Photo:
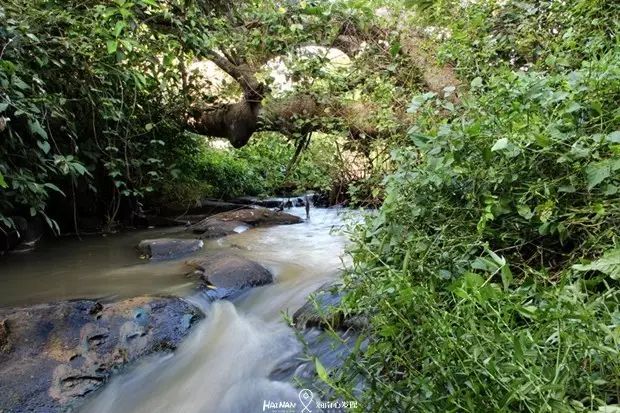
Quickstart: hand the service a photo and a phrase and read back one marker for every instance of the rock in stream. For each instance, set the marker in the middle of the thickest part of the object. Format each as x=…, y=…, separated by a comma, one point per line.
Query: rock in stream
x=312, y=321
x=227, y=223
x=53, y=355
x=227, y=275
x=168, y=248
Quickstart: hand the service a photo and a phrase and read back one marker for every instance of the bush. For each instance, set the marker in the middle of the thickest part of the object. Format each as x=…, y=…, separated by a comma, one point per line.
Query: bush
x=84, y=96
x=260, y=168
x=271, y=155
x=491, y=274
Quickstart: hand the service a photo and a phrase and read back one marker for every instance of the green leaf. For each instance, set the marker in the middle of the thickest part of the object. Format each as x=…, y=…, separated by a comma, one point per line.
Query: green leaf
x=3, y=106
x=127, y=45
x=112, y=45
x=500, y=144
x=569, y=189
x=572, y=107
x=395, y=48
x=53, y=187
x=597, y=172
x=476, y=83
x=613, y=137
x=79, y=169
x=35, y=128
x=608, y=264
x=45, y=146
x=3, y=183
x=506, y=276
x=120, y=25
x=518, y=346
x=148, y=127
x=320, y=370
x=525, y=211
x=18, y=83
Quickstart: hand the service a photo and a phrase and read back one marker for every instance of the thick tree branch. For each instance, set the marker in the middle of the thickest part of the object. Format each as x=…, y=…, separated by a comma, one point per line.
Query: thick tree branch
x=295, y=116
x=301, y=114
x=253, y=90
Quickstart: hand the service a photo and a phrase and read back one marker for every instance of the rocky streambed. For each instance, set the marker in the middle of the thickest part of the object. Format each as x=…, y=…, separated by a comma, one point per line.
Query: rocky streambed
x=56, y=356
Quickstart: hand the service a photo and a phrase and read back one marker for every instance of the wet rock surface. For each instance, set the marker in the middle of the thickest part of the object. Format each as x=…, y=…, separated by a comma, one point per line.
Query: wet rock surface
x=227, y=274
x=53, y=355
x=216, y=228
x=313, y=320
x=168, y=248
x=228, y=223
x=4, y=336
x=321, y=311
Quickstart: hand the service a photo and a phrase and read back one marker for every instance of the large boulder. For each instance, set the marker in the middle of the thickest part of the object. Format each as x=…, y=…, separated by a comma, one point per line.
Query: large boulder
x=56, y=354
x=228, y=274
x=204, y=207
x=227, y=223
x=168, y=248
x=321, y=310
x=326, y=334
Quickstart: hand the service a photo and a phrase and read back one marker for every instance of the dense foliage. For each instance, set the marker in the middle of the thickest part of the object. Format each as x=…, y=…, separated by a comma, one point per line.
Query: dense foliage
x=263, y=168
x=491, y=275
x=94, y=99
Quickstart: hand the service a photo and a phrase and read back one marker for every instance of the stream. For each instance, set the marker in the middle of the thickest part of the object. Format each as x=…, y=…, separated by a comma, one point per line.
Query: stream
x=224, y=364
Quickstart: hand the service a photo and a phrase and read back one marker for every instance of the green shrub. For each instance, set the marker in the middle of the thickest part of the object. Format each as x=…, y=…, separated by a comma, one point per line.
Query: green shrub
x=491, y=274
x=270, y=155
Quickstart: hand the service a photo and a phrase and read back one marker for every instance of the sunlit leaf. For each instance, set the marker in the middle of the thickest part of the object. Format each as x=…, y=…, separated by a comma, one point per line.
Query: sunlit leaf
x=112, y=45
x=608, y=264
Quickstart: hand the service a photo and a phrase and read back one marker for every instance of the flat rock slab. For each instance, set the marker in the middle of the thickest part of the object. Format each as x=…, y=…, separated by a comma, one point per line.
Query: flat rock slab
x=228, y=223
x=227, y=274
x=321, y=311
x=216, y=228
x=168, y=248
x=56, y=354
x=205, y=206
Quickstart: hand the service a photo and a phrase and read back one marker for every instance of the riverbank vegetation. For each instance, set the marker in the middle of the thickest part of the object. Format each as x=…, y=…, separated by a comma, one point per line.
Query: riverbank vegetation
x=100, y=103
x=490, y=275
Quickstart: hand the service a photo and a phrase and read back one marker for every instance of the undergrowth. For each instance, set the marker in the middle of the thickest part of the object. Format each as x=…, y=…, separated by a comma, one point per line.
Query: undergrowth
x=490, y=277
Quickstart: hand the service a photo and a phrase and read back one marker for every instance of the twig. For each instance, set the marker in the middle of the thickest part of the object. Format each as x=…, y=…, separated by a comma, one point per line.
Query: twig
x=5, y=46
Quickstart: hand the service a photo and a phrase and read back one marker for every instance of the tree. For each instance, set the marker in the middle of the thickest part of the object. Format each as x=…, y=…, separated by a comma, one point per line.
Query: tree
x=248, y=38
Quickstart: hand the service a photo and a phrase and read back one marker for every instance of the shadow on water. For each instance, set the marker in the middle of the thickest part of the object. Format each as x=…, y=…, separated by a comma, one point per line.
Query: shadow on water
x=94, y=267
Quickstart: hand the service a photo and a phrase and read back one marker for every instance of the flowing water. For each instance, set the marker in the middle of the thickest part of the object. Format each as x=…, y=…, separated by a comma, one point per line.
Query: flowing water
x=224, y=364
